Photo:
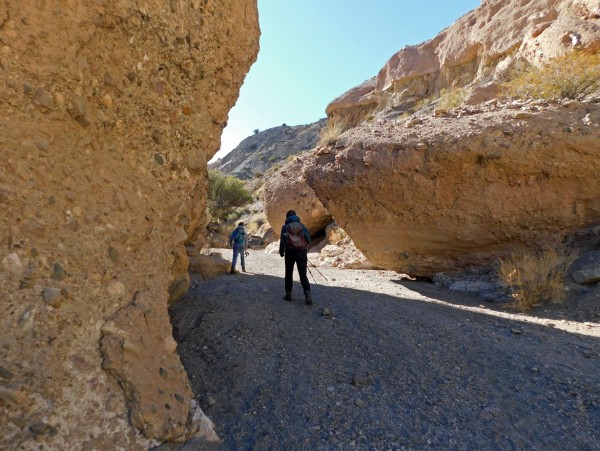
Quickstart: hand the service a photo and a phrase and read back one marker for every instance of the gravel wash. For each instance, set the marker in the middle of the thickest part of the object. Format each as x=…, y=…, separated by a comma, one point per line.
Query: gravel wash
x=375, y=364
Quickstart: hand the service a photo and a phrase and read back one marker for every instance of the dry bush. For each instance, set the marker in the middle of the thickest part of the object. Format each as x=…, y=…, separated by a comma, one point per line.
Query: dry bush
x=575, y=75
x=536, y=278
x=452, y=98
x=332, y=131
x=424, y=102
x=255, y=223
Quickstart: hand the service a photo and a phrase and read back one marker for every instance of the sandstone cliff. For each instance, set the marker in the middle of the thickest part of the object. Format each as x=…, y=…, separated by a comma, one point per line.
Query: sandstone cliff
x=482, y=47
x=110, y=110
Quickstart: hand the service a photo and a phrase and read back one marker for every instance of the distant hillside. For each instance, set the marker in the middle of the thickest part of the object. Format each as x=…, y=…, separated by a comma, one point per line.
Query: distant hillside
x=257, y=153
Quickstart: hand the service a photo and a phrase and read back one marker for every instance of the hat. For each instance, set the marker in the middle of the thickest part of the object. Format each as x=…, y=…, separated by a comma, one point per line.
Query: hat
x=240, y=223
x=290, y=213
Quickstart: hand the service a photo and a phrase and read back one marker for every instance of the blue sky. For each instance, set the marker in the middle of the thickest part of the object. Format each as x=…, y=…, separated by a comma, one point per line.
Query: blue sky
x=312, y=51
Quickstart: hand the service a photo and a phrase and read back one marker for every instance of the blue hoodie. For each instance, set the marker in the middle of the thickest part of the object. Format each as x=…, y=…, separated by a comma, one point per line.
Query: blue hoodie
x=282, y=239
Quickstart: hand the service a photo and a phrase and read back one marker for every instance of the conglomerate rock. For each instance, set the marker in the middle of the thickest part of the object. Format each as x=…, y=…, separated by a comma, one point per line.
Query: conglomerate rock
x=440, y=193
x=110, y=110
x=288, y=190
x=484, y=45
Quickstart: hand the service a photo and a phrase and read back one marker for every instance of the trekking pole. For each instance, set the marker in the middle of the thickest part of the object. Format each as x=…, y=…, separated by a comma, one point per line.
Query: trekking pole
x=311, y=274
x=313, y=265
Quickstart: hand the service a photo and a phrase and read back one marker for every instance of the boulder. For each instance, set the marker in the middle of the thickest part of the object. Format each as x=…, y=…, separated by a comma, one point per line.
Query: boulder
x=110, y=110
x=459, y=191
x=287, y=190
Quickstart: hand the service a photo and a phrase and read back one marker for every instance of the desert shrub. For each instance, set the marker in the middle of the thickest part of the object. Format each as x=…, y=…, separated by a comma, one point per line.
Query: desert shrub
x=575, y=75
x=452, y=98
x=536, y=278
x=424, y=102
x=256, y=222
x=225, y=193
x=332, y=131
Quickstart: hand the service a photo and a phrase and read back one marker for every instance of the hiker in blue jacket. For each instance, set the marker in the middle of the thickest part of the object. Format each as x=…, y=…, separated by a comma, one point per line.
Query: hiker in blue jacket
x=239, y=241
x=294, y=244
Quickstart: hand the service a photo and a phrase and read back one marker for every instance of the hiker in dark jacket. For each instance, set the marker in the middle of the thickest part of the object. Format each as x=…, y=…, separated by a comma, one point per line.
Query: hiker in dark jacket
x=239, y=242
x=293, y=244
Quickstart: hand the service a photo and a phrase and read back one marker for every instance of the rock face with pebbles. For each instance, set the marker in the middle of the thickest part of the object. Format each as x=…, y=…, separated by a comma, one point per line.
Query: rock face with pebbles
x=440, y=193
x=110, y=111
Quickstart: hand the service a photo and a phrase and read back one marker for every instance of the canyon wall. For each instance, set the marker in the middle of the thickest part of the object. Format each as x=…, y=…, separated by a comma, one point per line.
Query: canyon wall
x=109, y=111
x=485, y=46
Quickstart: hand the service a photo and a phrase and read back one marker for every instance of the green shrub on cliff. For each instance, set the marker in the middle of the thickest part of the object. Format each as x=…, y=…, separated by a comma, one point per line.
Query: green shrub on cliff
x=225, y=193
x=575, y=75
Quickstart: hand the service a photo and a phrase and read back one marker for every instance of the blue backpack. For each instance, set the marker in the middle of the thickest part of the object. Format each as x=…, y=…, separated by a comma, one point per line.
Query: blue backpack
x=239, y=236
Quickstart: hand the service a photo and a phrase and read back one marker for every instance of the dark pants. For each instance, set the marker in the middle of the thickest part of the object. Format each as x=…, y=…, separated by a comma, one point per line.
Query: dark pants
x=300, y=258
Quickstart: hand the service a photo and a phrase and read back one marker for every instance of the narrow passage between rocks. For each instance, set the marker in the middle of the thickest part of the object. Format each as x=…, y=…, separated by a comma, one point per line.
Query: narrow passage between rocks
x=373, y=364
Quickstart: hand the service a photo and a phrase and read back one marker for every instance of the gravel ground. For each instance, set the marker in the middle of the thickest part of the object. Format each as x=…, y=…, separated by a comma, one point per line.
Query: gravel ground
x=394, y=365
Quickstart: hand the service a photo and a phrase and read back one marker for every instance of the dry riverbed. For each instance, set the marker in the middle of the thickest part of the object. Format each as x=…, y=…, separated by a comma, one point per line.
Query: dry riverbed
x=382, y=363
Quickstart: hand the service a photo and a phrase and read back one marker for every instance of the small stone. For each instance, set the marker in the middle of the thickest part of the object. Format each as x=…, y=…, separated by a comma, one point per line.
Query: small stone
x=163, y=373
x=43, y=98
x=13, y=396
x=210, y=401
x=114, y=255
x=516, y=332
x=52, y=296
x=107, y=101
x=360, y=380
x=131, y=76
x=522, y=115
x=43, y=145
x=179, y=397
x=326, y=312
x=58, y=272
x=359, y=403
x=12, y=264
x=5, y=374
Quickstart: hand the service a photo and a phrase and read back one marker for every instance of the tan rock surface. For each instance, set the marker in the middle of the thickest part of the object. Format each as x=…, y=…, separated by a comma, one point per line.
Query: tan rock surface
x=464, y=189
x=287, y=190
x=109, y=112
x=477, y=47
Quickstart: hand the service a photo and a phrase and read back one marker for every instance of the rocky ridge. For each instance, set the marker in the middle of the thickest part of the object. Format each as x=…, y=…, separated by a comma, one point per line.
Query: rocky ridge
x=110, y=111
x=268, y=148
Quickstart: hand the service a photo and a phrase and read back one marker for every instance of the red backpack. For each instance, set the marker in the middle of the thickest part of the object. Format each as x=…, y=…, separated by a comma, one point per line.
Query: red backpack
x=296, y=241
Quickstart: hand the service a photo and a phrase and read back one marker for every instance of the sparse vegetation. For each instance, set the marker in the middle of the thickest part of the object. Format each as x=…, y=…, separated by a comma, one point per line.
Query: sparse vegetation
x=225, y=193
x=575, y=75
x=330, y=133
x=425, y=102
x=536, y=278
x=452, y=98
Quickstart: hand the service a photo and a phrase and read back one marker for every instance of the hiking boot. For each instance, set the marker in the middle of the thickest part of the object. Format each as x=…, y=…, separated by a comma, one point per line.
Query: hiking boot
x=243, y=269
x=308, y=297
x=288, y=296
x=232, y=271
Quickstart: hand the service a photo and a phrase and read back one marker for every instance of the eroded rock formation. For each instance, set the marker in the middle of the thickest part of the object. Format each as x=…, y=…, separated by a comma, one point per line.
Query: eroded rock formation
x=288, y=190
x=460, y=190
x=110, y=110
x=483, y=46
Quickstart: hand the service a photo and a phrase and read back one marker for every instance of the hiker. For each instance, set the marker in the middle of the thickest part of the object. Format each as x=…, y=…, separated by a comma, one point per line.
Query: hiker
x=293, y=244
x=239, y=241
